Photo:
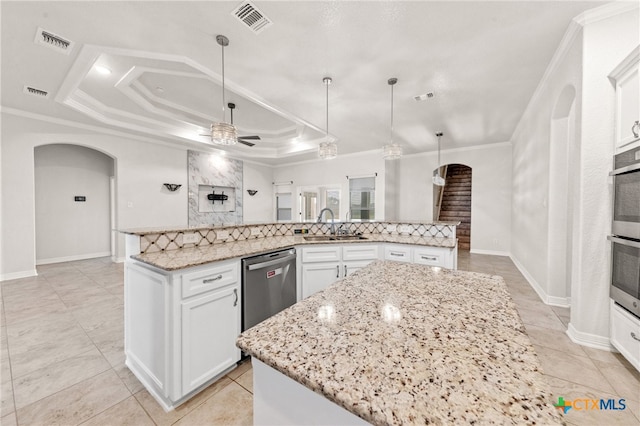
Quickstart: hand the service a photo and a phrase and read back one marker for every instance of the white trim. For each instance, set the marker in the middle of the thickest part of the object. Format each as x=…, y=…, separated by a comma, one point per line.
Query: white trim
x=589, y=340
x=72, y=258
x=563, y=302
x=490, y=252
x=121, y=259
x=18, y=275
x=606, y=11
x=532, y=282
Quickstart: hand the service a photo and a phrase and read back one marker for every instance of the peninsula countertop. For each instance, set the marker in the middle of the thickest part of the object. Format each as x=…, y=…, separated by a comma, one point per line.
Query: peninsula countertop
x=172, y=260
x=402, y=343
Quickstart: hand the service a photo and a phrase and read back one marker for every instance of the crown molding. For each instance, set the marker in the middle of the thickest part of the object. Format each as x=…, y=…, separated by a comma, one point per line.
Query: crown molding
x=575, y=27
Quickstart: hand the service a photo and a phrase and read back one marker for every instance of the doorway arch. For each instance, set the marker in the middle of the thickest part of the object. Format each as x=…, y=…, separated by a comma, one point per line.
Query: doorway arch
x=74, y=203
x=452, y=202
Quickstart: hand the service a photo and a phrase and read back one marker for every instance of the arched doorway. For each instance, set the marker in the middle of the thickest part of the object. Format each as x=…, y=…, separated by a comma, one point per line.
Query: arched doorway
x=452, y=201
x=73, y=203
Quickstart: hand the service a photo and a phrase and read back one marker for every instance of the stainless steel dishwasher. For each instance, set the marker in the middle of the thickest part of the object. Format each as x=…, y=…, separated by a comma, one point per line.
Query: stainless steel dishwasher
x=268, y=285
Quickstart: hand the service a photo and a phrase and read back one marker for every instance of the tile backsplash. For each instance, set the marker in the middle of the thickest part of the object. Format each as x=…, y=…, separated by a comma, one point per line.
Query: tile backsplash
x=199, y=237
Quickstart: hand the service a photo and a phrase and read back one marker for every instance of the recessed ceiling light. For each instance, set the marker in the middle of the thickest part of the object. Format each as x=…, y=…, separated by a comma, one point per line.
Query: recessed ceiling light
x=102, y=70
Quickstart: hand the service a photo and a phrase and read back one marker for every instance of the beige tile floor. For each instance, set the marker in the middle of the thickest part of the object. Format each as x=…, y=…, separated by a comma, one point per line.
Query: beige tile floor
x=62, y=356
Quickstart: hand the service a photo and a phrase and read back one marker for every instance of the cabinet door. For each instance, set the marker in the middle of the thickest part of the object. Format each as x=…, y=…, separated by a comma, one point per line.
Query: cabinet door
x=349, y=268
x=210, y=326
x=317, y=276
x=628, y=107
x=359, y=251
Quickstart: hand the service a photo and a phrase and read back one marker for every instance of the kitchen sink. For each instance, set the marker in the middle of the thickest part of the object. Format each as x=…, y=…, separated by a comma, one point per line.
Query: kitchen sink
x=320, y=238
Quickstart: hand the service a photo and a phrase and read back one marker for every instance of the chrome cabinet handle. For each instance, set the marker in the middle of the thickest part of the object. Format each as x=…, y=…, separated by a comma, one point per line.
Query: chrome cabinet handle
x=210, y=280
x=396, y=254
x=337, y=271
x=634, y=336
x=345, y=270
x=235, y=292
x=429, y=258
x=635, y=129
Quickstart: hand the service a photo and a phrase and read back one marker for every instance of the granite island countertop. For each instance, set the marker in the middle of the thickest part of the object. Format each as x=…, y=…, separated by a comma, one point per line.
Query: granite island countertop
x=173, y=260
x=402, y=343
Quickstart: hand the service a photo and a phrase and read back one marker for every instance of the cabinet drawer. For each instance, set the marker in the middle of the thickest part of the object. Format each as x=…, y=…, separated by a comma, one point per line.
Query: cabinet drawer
x=625, y=334
x=360, y=252
x=321, y=254
x=429, y=256
x=398, y=253
x=210, y=278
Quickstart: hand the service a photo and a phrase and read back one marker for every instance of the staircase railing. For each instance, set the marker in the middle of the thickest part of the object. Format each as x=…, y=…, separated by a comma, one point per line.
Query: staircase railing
x=438, y=206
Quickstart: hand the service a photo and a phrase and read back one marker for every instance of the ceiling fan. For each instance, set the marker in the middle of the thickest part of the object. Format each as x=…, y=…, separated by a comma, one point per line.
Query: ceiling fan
x=243, y=139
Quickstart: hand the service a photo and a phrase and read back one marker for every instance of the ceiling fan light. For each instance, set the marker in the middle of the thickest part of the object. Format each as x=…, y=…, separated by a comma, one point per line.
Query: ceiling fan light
x=393, y=151
x=328, y=150
x=224, y=134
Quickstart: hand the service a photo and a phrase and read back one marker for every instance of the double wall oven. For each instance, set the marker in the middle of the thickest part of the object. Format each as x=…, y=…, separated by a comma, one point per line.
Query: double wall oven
x=625, y=266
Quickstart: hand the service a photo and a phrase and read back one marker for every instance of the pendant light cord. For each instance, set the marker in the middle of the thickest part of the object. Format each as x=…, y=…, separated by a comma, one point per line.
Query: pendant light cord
x=224, y=116
x=391, y=137
x=327, y=84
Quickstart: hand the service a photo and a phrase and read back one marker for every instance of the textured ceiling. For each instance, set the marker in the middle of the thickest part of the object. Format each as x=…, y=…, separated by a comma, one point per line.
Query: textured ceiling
x=482, y=60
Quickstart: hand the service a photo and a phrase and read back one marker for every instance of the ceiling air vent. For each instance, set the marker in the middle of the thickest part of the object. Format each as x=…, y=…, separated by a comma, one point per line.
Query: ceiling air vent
x=249, y=15
x=54, y=41
x=35, y=92
x=424, y=97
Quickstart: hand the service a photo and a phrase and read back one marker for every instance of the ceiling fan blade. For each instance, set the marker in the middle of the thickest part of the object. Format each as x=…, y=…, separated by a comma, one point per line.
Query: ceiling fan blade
x=252, y=138
x=245, y=142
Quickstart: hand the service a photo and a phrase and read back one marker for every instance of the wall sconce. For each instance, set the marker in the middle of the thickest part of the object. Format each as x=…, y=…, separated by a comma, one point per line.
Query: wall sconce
x=172, y=186
x=252, y=192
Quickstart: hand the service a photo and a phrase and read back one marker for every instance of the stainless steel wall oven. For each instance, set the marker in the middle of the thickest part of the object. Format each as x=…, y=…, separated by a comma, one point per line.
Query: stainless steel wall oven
x=625, y=264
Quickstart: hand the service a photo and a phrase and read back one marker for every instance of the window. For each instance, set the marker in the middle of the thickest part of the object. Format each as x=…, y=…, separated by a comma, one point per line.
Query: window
x=333, y=201
x=362, y=192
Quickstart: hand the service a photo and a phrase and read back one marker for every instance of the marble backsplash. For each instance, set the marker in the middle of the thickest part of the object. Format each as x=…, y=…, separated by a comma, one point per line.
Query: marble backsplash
x=209, y=173
x=174, y=239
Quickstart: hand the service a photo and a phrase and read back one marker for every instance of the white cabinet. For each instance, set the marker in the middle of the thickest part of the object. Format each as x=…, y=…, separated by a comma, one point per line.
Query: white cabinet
x=627, y=84
x=323, y=265
x=397, y=252
x=443, y=257
x=181, y=327
x=625, y=334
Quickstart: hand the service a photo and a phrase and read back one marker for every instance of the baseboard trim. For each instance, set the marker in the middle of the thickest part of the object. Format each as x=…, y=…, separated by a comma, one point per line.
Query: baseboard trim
x=589, y=340
x=490, y=252
x=72, y=258
x=563, y=302
x=18, y=275
x=532, y=282
x=115, y=259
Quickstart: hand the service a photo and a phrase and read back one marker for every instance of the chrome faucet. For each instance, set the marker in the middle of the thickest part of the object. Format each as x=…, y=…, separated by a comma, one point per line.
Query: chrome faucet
x=333, y=218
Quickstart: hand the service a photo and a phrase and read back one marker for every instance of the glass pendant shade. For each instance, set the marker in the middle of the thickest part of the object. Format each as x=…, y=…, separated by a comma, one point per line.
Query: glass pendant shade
x=393, y=151
x=224, y=134
x=328, y=150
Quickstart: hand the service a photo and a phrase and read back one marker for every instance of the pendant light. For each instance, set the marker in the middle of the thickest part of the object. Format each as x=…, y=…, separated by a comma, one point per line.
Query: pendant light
x=392, y=151
x=223, y=133
x=327, y=149
x=437, y=179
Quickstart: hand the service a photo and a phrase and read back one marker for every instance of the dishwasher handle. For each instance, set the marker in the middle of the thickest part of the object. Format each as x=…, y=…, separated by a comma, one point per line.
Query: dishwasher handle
x=270, y=262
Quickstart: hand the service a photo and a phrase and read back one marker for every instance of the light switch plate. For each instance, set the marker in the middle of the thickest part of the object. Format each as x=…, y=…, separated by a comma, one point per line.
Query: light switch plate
x=405, y=229
x=222, y=235
x=391, y=228
x=255, y=231
x=190, y=238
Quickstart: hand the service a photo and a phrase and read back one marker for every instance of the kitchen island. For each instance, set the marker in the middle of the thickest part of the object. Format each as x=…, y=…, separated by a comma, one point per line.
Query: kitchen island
x=399, y=343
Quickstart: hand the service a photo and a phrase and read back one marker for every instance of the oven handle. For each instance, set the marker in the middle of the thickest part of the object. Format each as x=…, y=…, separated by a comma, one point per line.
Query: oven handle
x=624, y=241
x=632, y=168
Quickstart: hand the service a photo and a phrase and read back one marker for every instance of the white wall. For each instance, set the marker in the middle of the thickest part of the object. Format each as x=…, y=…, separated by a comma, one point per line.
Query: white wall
x=141, y=170
x=490, y=192
x=591, y=56
x=66, y=229
x=335, y=172
x=258, y=208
